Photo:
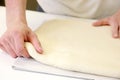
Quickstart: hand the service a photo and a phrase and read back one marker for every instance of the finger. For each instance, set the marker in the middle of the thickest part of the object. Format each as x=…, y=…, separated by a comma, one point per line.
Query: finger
x=24, y=53
x=115, y=29
x=12, y=45
x=20, y=46
x=2, y=48
x=1, y=45
x=101, y=22
x=4, y=45
x=35, y=41
x=9, y=50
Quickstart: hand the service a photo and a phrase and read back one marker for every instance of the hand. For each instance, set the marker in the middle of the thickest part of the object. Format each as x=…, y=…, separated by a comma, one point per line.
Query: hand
x=13, y=40
x=113, y=21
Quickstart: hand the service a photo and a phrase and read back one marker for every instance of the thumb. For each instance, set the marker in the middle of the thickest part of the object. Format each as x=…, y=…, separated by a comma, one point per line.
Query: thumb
x=101, y=22
x=34, y=40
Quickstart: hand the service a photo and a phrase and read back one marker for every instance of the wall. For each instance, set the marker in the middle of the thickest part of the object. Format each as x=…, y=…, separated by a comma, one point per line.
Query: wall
x=31, y=4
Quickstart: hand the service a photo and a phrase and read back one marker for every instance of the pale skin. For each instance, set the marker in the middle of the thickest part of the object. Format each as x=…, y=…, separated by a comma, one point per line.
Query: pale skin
x=18, y=32
x=113, y=21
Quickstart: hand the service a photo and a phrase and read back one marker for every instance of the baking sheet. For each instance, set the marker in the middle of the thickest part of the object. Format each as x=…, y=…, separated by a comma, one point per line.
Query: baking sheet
x=30, y=65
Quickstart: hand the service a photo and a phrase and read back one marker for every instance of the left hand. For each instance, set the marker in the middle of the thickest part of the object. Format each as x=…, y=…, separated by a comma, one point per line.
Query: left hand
x=113, y=21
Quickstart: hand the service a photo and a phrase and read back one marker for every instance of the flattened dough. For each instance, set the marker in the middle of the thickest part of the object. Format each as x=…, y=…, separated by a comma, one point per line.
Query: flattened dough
x=78, y=46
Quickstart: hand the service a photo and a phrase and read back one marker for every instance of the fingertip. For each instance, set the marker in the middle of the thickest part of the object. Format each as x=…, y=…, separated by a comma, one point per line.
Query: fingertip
x=26, y=56
x=14, y=56
x=25, y=53
x=115, y=35
x=40, y=50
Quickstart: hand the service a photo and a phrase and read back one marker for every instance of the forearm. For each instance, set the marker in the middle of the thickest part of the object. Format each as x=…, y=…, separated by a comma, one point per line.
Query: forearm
x=15, y=11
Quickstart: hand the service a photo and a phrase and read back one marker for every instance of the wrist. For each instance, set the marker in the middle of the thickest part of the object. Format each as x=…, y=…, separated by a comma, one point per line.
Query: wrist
x=15, y=21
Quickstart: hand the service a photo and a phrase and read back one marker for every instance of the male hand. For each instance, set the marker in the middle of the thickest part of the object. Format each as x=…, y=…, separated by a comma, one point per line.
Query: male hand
x=113, y=21
x=12, y=41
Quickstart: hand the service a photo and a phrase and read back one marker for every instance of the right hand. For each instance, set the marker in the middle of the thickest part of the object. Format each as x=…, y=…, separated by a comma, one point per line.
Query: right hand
x=12, y=41
x=113, y=21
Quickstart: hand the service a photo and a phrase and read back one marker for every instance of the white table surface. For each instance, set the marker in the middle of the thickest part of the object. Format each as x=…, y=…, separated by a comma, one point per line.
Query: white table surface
x=6, y=72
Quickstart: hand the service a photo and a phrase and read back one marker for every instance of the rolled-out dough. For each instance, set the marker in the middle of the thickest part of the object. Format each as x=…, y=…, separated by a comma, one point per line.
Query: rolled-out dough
x=78, y=46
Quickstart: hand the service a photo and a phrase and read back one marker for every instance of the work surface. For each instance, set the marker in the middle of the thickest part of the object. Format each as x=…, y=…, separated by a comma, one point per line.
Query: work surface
x=6, y=71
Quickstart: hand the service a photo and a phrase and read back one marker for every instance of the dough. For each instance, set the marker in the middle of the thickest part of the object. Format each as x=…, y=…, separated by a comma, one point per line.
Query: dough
x=78, y=46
